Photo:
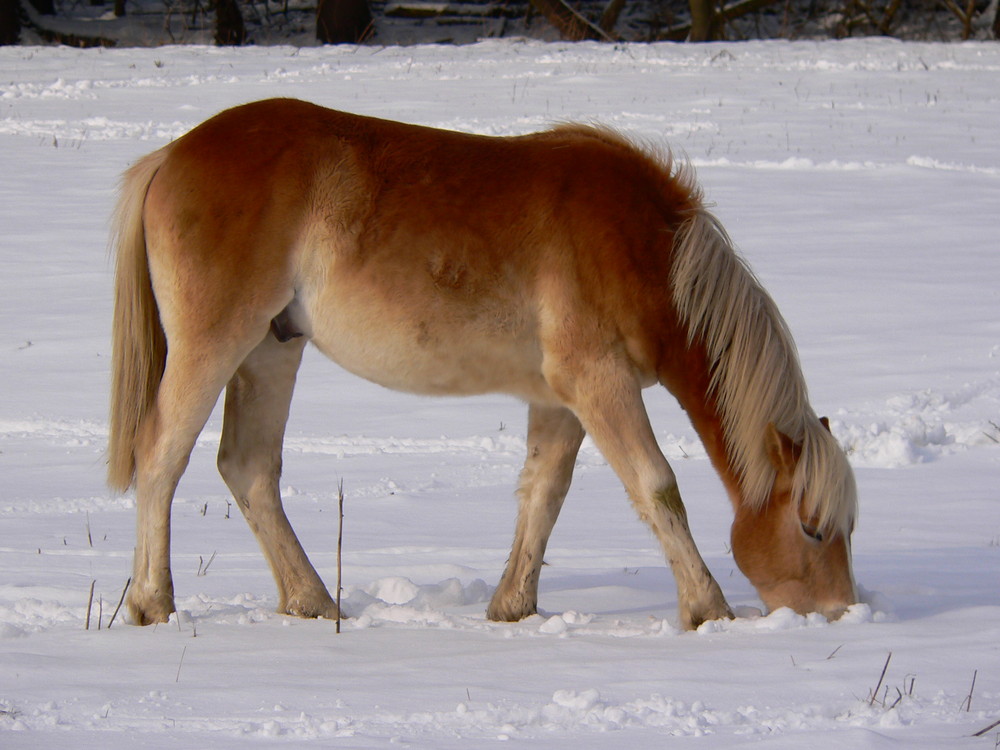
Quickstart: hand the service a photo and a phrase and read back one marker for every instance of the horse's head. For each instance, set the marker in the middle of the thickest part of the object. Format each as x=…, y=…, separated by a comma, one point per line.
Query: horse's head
x=795, y=550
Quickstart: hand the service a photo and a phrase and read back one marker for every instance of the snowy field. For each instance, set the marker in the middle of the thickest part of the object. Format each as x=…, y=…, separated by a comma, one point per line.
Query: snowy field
x=862, y=181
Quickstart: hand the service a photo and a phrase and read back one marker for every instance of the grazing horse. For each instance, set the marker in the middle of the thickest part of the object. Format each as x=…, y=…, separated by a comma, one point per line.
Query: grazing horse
x=569, y=268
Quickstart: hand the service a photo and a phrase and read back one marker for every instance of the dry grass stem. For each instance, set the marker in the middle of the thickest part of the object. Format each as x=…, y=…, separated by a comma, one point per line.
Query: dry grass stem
x=340, y=547
x=90, y=604
x=180, y=664
x=984, y=730
x=203, y=566
x=880, y=679
x=120, y=602
x=968, y=699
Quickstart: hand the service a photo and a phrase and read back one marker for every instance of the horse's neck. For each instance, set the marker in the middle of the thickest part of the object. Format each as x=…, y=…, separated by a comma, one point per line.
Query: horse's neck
x=688, y=379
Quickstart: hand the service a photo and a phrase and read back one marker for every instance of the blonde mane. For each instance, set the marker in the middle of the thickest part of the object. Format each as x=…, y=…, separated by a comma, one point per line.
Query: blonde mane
x=755, y=375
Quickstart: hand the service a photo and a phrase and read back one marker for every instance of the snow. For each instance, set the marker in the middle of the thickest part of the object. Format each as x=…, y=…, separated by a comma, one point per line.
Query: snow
x=862, y=181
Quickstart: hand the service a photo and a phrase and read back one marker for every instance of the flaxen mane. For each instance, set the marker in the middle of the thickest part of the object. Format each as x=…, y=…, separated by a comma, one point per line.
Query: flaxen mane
x=747, y=342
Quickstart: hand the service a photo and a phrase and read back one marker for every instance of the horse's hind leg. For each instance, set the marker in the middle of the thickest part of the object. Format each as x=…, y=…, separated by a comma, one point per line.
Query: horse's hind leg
x=554, y=437
x=607, y=398
x=257, y=402
x=184, y=400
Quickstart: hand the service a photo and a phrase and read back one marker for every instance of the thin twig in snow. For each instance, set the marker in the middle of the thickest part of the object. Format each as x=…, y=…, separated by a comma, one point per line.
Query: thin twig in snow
x=203, y=571
x=90, y=604
x=968, y=699
x=180, y=664
x=984, y=730
x=899, y=697
x=340, y=547
x=881, y=677
x=120, y=601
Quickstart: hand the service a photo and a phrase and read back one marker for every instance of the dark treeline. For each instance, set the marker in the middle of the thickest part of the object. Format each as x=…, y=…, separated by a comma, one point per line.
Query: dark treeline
x=235, y=22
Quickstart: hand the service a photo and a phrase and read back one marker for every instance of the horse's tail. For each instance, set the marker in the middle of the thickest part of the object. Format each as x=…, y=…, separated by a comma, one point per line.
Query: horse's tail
x=139, y=347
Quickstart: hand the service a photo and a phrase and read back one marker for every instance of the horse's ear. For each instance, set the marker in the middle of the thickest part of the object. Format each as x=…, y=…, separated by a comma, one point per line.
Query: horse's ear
x=826, y=423
x=781, y=450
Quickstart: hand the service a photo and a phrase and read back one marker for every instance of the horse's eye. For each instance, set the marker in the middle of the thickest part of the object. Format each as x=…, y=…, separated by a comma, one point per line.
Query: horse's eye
x=812, y=532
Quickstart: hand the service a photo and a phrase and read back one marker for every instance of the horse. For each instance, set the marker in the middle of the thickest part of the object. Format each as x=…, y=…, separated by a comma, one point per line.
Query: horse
x=571, y=268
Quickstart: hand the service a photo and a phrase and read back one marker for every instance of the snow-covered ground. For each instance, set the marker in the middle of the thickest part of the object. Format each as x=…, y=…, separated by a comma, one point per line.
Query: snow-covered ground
x=862, y=181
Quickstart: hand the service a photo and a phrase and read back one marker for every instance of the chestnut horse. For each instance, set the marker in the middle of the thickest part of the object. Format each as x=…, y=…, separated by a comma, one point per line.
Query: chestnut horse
x=569, y=268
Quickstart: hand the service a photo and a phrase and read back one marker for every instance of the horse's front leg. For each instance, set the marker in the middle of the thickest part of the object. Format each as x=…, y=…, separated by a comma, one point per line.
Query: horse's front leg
x=554, y=437
x=607, y=398
x=257, y=403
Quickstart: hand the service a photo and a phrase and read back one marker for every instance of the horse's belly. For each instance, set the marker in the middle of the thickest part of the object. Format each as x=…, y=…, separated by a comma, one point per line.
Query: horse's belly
x=431, y=356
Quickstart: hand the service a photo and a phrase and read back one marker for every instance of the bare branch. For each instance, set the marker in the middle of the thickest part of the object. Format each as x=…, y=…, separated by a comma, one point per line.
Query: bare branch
x=609, y=18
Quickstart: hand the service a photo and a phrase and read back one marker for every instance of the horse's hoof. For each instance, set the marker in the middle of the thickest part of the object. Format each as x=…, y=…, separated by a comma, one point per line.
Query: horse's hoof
x=510, y=611
x=150, y=610
x=312, y=608
x=694, y=619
